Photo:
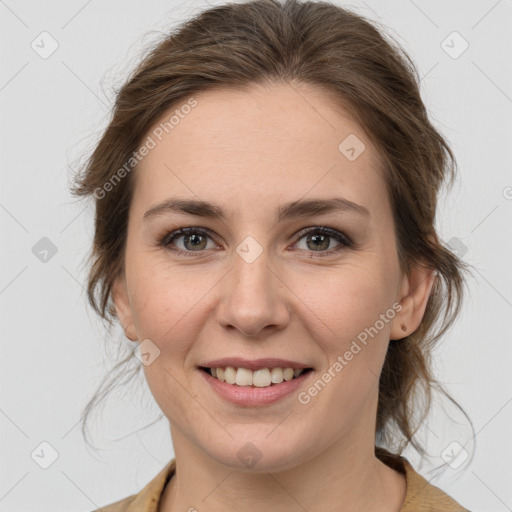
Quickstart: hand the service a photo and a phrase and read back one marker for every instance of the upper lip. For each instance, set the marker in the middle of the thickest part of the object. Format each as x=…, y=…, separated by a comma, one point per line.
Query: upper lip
x=253, y=364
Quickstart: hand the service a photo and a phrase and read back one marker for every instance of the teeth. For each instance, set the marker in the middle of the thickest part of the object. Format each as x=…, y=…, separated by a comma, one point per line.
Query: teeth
x=288, y=373
x=276, y=375
x=261, y=378
x=230, y=375
x=243, y=377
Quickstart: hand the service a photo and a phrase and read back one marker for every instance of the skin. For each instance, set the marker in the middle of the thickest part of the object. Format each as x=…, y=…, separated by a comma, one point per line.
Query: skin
x=250, y=151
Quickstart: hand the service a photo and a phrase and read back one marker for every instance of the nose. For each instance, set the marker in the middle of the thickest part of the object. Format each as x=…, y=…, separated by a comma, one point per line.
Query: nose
x=254, y=298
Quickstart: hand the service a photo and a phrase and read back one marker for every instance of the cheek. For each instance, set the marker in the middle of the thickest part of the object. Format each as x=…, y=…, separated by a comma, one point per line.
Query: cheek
x=355, y=308
x=352, y=299
x=163, y=295
x=355, y=338
x=167, y=307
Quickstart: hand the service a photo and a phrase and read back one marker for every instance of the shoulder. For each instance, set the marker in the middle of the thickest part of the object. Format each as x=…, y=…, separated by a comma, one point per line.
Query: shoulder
x=118, y=506
x=422, y=496
x=146, y=500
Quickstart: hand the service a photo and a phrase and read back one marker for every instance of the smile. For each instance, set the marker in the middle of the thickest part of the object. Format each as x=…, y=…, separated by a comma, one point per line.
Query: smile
x=261, y=378
x=257, y=387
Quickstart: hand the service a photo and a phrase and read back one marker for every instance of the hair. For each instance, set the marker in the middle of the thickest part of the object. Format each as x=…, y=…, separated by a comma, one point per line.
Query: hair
x=340, y=52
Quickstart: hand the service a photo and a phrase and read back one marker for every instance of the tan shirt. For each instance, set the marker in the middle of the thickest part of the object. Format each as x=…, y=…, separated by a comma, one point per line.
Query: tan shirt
x=420, y=496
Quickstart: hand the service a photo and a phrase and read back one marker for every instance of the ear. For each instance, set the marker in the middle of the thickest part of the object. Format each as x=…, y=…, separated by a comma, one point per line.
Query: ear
x=123, y=307
x=414, y=294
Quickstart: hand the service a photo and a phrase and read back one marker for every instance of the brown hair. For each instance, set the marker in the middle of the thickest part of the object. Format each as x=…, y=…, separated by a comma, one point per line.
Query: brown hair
x=338, y=51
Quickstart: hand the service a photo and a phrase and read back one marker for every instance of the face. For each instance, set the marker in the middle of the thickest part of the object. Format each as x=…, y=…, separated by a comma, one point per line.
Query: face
x=316, y=288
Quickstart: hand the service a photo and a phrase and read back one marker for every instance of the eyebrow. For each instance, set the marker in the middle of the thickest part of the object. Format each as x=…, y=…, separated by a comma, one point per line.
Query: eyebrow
x=287, y=211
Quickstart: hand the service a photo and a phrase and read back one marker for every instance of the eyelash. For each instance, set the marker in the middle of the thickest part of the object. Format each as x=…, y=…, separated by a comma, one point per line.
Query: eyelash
x=345, y=241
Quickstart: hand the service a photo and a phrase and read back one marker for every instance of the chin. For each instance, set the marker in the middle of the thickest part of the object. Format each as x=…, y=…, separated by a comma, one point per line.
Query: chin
x=259, y=453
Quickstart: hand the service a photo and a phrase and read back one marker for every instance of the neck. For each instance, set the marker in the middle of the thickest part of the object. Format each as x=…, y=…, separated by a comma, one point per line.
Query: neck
x=347, y=477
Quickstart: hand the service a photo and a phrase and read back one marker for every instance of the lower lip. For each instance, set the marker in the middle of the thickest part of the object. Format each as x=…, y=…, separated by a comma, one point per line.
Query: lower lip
x=253, y=396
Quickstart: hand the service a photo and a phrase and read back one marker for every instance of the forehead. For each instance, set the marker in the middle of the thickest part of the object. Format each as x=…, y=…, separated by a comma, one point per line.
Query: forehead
x=260, y=145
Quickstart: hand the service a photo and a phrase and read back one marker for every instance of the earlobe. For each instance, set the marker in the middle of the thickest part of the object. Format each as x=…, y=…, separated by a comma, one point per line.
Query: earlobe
x=415, y=291
x=123, y=307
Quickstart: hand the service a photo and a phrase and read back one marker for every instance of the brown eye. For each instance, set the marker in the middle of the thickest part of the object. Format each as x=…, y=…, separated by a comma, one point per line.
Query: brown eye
x=318, y=239
x=193, y=240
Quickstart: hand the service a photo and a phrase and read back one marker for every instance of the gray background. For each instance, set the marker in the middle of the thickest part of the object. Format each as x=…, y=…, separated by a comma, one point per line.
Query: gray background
x=53, y=110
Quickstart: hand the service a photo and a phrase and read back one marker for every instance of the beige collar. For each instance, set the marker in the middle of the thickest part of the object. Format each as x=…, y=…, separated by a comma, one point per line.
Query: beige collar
x=421, y=496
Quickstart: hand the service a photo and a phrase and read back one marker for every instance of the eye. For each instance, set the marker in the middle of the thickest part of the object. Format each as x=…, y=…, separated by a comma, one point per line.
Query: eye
x=194, y=240
x=319, y=238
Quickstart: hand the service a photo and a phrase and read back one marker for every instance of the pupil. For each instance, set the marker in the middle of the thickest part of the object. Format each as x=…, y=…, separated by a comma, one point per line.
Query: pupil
x=320, y=238
x=195, y=240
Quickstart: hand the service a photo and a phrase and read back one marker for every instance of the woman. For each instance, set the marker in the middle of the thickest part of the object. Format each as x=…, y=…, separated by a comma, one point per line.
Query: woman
x=265, y=202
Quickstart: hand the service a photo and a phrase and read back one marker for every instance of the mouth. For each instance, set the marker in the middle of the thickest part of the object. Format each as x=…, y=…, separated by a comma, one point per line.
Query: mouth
x=264, y=377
